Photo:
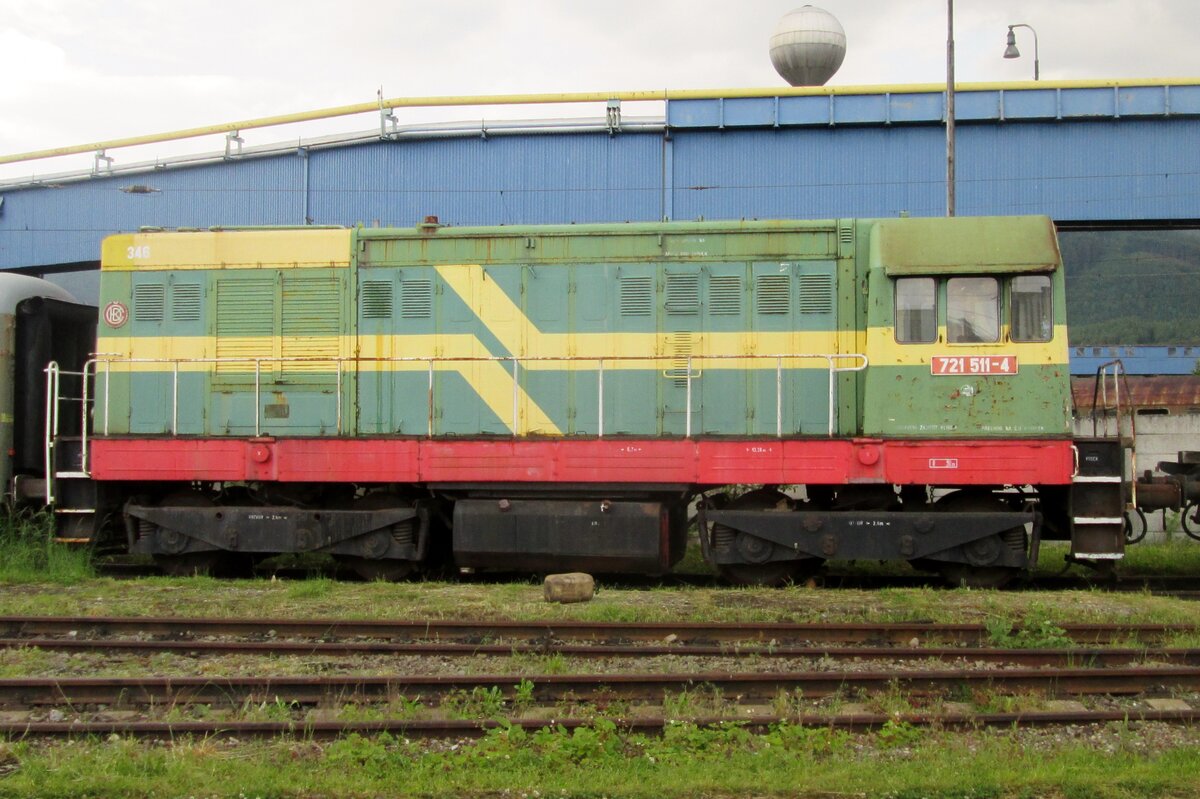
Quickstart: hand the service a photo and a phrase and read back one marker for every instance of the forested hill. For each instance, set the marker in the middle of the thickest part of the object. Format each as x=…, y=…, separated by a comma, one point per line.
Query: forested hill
x=1133, y=287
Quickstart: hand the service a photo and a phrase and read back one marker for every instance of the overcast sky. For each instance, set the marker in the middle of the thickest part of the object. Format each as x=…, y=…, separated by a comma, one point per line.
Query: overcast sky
x=79, y=71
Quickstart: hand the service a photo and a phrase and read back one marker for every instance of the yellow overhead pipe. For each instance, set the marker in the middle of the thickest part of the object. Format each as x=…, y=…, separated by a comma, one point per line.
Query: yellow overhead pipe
x=571, y=97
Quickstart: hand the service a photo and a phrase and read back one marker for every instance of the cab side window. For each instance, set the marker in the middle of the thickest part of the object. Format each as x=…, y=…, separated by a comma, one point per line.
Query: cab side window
x=916, y=310
x=972, y=310
x=1031, y=317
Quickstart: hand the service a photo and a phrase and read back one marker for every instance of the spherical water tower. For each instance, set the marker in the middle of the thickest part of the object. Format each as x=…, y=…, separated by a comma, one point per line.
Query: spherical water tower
x=808, y=46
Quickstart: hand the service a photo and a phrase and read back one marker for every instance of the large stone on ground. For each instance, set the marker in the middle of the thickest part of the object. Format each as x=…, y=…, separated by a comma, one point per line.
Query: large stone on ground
x=1168, y=704
x=565, y=588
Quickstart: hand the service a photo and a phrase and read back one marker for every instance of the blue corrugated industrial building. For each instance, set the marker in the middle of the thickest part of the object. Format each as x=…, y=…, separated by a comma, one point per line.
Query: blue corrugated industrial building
x=1137, y=360
x=1076, y=152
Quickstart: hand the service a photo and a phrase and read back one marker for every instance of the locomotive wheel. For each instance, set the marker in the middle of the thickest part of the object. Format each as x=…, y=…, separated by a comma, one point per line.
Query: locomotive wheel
x=386, y=569
x=1135, y=525
x=1190, y=519
x=977, y=573
x=762, y=571
x=188, y=564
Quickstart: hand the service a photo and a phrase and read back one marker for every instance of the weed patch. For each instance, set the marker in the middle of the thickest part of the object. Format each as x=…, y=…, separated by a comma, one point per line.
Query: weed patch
x=28, y=553
x=1036, y=631
x=478, y=703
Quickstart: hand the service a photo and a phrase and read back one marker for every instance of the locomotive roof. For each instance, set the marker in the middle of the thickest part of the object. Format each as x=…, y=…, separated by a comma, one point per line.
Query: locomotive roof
x=906, y=246
x=984, y=244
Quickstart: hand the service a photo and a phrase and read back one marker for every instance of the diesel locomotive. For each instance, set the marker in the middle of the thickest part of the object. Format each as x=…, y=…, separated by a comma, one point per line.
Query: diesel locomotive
x=575, y=396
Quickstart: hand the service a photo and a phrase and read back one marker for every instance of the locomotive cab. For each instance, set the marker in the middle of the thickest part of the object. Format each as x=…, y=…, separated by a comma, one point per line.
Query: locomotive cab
x=966, y=331
x=967, y=340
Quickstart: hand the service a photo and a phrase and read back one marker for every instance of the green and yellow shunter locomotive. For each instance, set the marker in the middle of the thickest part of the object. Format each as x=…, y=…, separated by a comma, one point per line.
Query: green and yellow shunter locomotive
x=566, y=397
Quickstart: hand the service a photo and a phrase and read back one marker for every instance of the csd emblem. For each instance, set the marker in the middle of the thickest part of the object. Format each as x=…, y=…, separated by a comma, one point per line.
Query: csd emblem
x=116, y=314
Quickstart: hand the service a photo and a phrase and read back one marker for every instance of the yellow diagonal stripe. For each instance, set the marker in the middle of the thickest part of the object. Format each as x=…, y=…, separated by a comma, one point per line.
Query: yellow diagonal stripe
x=504, y=320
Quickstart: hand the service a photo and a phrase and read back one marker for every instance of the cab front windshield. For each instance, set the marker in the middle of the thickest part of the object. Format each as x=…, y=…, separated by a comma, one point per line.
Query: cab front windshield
x=975, y=308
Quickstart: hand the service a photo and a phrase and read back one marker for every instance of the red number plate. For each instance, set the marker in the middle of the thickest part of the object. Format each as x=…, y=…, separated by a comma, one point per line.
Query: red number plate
x=973, y=365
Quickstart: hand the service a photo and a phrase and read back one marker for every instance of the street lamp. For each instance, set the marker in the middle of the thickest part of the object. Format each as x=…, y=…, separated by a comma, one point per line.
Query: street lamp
x=1012, y=52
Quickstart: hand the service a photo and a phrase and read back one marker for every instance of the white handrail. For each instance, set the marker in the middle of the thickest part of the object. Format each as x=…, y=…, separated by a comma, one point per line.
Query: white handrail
x=54, y=398
x=600, y=398
x=858, y=362
x=51, y=426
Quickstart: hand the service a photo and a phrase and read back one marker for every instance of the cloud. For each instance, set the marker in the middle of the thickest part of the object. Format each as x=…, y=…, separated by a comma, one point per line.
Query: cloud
x=30, y=64
x=86, y=70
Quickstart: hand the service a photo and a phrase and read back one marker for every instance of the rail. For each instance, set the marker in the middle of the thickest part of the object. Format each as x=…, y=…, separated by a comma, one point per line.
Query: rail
x=101, y=367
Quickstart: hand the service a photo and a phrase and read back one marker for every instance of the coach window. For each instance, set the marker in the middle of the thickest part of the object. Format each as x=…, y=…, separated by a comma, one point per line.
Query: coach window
x=972, y=310
x=1031, y=314
x=916, y=310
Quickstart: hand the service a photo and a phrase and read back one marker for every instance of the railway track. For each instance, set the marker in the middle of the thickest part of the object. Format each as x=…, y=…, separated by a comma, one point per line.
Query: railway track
x=944, y=661
x=554, y=689
x=1091, y=656
x=508, y=632
x=460, y=728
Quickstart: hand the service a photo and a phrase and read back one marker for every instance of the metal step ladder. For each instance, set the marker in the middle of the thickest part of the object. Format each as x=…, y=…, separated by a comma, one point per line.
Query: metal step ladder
x=1101, y=492
x=70, y=492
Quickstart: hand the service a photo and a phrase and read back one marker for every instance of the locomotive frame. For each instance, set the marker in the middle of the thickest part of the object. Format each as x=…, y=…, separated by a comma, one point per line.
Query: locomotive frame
x=556, y=397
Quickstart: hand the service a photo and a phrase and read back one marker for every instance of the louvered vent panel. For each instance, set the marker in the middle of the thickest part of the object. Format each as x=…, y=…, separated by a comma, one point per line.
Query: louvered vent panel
x=680, y=346
x=683, y=295
x=310, y=321
x=816, y=294
x=416, y=299
x=377, y=299
x=772, y=294
x=846, y=234
x=637, y=296
x=185, y=302
x=149, y=303
x=725, y=295
x=245, y=323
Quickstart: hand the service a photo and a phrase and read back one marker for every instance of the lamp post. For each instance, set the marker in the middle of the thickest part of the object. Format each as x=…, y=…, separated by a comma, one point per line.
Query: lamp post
x=950, y=108
x=1012, y=52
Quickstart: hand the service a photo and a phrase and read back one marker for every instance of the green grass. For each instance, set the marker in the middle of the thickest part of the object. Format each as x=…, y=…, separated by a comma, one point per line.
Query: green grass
x=56, y=580
x=261, y=598
x=1178, y=555
x=28, y=555
x=603, y=760
x=693, y=561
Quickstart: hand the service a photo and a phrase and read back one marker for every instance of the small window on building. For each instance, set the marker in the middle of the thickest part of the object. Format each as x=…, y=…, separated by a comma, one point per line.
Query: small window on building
x=1032, y=317
x=972, y=310
x=916, y=310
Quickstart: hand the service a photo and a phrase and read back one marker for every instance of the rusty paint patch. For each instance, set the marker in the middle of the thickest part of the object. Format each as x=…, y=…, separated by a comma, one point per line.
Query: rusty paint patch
x=1173, y=392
